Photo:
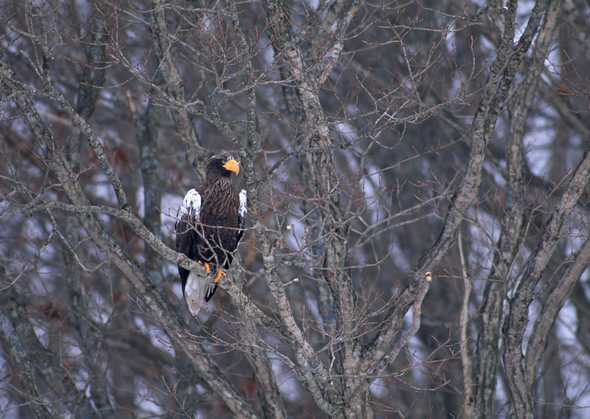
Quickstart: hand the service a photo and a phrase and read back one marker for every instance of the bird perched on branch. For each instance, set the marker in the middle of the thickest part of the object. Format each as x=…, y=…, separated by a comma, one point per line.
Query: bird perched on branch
x=209, y=228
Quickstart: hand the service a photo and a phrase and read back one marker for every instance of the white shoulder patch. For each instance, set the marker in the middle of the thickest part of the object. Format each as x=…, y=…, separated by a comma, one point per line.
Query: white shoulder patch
x=191, y=204
x=243, y=203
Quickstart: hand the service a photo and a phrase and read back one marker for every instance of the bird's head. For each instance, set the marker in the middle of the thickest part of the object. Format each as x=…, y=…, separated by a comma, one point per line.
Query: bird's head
x=222, y=165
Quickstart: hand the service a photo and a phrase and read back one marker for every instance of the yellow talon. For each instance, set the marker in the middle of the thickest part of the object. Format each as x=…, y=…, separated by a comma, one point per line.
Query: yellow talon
x=218, y=275
x=207, y=267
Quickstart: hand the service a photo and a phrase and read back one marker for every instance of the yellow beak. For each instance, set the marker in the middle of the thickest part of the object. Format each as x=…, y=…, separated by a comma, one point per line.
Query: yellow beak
x=233, y=166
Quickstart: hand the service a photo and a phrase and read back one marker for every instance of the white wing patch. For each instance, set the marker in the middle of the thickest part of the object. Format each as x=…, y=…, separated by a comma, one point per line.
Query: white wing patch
x=243, y=203
x=191, y=204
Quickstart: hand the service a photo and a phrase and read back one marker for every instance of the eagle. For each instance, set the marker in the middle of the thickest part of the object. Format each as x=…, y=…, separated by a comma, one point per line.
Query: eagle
x=209, y=228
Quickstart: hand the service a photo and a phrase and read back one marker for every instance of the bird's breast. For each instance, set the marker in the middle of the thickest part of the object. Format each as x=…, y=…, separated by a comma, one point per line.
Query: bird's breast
x=220, y=206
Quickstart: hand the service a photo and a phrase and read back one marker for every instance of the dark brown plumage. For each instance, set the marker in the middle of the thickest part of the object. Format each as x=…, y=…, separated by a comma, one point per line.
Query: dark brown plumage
x=211, y=222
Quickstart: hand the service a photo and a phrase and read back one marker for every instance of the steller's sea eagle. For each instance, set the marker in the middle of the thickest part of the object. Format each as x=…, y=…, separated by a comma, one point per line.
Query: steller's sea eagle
x=209, y=228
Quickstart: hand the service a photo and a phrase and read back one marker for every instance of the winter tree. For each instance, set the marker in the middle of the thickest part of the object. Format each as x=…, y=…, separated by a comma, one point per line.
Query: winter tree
x=418, y=232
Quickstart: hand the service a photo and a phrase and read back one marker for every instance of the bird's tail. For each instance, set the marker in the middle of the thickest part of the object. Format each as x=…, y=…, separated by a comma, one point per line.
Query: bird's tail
x=194, y=291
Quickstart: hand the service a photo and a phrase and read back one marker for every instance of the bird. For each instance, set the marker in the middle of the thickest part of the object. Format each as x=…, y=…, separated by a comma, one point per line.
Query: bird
x=210, y=225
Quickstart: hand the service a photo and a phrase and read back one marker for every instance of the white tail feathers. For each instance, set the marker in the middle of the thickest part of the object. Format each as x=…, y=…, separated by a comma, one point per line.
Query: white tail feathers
x=194, y=291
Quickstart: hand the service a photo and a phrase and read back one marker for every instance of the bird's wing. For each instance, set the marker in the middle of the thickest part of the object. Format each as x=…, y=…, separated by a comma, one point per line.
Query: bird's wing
x=242, y=212
x=194, y=283
x=187, y=239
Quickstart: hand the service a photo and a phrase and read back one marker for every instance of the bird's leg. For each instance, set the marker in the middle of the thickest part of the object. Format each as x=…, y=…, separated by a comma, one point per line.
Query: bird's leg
x=218, y=275
x=212, y=287
x=206, y=266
